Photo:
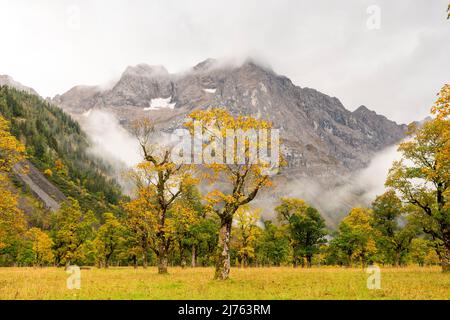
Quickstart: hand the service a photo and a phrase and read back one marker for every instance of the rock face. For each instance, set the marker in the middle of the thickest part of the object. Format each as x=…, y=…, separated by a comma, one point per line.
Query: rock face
x=6, y=80
x=325, y=144
x=322, y=137
x=39, y=185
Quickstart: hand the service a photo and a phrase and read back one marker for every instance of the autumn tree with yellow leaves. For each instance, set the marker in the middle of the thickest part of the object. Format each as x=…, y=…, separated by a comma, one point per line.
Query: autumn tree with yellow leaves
x=422, y=177
x=140, y=225
x=236, y=182
x=41, y=246
x=356, y=238
x=188, y=215
x=159, y=182
x=11, y=150
x=71, y=230
x=247, y=232
x=12, y=219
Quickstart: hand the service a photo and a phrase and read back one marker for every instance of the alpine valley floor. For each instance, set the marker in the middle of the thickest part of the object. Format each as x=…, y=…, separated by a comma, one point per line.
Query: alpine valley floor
x=245, y=283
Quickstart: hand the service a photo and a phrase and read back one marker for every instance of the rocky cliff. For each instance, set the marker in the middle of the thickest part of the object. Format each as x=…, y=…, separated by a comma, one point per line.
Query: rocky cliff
x=322, y=137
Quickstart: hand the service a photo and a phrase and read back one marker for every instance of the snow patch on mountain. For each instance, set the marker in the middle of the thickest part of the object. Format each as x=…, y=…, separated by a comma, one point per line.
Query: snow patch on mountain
x=160, y=103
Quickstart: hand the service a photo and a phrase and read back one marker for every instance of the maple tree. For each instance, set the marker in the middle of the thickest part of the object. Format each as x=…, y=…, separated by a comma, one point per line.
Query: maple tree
x=241, y=180
x=247, y=232
x=422, y=176
x=41, y=246
x=356, y=236
x=159, y=181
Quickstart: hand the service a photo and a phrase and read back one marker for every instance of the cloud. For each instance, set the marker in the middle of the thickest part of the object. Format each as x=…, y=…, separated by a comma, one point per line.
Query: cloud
x=335, y=199
x=111, y=143
x=326, y=45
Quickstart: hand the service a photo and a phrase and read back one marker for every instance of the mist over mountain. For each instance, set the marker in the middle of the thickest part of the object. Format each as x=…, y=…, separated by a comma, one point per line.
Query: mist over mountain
x=322, y=136
x=335, y=156
x=327, y=146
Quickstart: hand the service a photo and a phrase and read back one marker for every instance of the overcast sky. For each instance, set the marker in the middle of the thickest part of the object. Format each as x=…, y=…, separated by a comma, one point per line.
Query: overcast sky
x=395, y=70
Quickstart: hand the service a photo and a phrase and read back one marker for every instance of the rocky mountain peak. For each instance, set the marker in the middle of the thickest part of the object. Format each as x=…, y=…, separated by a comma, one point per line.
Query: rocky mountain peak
x=6, y=80
x=323, y=138
x=205, y=65
x=251, y=63
x=363, y=110
x=323, y=141
x=145, y=70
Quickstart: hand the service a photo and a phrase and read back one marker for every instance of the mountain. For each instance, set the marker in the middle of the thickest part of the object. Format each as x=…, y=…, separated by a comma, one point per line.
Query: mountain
x=6, y=80
x=322, y=137
x=326, y=145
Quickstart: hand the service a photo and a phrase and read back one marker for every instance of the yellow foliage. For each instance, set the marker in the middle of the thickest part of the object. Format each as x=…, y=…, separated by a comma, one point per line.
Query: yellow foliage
x=11, y=150
x=442, y=105
x=60, y=167
x=41, y=246
x=12, y=219
x=247, y=178
x=247, y=232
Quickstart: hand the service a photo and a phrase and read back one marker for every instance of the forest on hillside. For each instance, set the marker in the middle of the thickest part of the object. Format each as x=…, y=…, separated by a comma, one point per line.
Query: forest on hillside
x=56, y=144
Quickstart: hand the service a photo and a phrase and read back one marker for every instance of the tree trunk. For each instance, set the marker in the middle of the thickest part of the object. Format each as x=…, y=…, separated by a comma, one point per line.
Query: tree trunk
x=182, y=256
x=397, y=259
x=349, y=261
x=295, y=258
x=445, y=258
x=135, y=263
x=145, y=260
x=223, y=249
x=162, y=259
x=309, y=260
x=193, y=259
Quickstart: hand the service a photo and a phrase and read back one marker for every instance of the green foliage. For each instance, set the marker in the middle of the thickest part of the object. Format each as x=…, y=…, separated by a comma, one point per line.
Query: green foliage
x=306, y=228
x=71, y=229
x=52, y=136
x=37, y=248
x=204, y=240
x=108, y=239
x=395, y=229
x=273, y=245
x=422, y=176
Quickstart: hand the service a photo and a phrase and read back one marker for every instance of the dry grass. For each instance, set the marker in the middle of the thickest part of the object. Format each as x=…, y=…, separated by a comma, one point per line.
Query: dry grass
x=251, y=283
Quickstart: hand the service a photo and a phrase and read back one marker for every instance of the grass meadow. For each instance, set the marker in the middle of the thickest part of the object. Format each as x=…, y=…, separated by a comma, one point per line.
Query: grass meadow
x=245, y=283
